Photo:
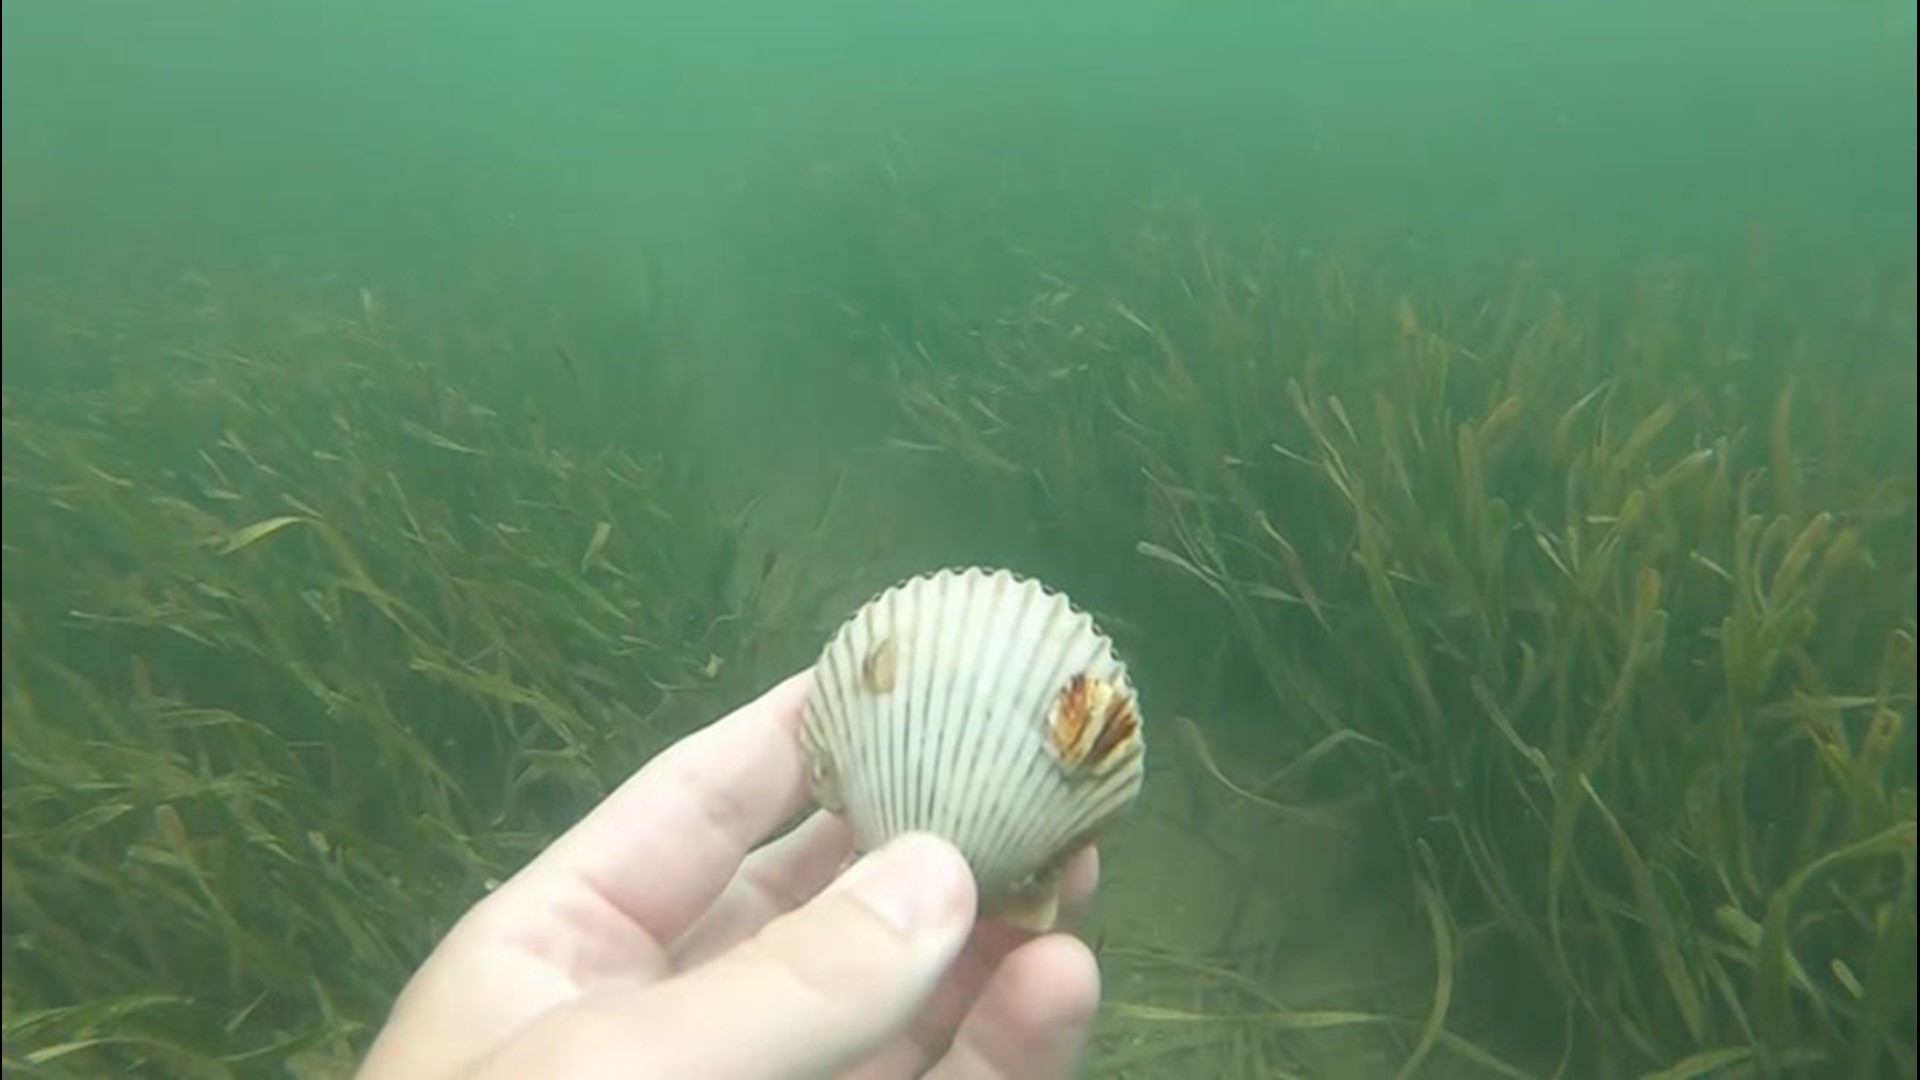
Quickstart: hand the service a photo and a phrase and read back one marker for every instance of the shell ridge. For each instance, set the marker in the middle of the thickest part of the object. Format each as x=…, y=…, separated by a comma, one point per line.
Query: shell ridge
x=982, y=652
x=945, y=708
x=1002, y=757
x=972, y=701
x=930, y=615
x=1042, y=833
x=821, y=730
x=978, y=652
x=856, y=787
x=1024, y=751
x=1105, y=800
x=861, y=712
x=1048, y=672
x=895, y=762
x=1046, y=831
x=865, y=719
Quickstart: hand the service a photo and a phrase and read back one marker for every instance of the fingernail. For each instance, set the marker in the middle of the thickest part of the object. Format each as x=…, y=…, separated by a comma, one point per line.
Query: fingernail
x=916, y=884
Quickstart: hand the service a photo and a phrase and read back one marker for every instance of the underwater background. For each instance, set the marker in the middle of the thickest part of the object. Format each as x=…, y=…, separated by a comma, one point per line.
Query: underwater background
x=1487, y=428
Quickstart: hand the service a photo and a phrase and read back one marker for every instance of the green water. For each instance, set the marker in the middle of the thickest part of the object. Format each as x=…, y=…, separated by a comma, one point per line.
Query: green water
x=1432, y=396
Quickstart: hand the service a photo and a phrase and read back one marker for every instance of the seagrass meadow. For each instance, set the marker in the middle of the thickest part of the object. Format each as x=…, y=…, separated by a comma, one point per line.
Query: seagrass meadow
x=1577, y=594
x=1583, y=587
x=302, y=649
x=1490, y=442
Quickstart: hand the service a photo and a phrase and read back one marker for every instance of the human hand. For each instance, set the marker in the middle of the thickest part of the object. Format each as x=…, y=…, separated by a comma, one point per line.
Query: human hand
x=652, y=940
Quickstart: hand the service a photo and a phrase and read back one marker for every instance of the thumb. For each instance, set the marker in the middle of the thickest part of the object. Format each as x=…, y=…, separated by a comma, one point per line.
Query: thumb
x=816, y=990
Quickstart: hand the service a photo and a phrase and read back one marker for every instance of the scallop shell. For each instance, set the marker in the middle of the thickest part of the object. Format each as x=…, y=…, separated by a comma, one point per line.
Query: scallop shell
x=981, y=706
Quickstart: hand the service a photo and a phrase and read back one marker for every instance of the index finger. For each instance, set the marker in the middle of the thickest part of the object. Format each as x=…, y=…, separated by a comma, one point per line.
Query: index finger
x=667, y=841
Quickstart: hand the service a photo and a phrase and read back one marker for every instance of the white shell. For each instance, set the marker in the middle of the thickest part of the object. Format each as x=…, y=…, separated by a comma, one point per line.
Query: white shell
x=980, y=706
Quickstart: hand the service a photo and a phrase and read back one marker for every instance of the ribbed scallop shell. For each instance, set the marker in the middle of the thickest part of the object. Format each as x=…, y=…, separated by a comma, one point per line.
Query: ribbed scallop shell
x=983, y=707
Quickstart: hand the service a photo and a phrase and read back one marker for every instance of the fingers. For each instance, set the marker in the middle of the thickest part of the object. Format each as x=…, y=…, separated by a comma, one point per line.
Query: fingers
x=810, y=994
x=773, y=881
x=1033, y=1019
x=786, y=873
x=991, y=944
x=932, y=1031
x=662, y=846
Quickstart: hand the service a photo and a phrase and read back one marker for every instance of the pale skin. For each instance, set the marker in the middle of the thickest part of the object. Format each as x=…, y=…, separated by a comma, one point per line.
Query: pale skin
x=663, y=937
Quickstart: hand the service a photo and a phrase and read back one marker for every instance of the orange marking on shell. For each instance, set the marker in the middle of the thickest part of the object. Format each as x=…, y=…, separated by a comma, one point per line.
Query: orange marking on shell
x=1119, y=727
x=1092, y=723
x=1067, y=730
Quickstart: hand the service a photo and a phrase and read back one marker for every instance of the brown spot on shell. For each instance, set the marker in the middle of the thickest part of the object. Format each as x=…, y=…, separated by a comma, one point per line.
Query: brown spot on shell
x=881, y=666
x=1092, y=725
x=824, y=783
